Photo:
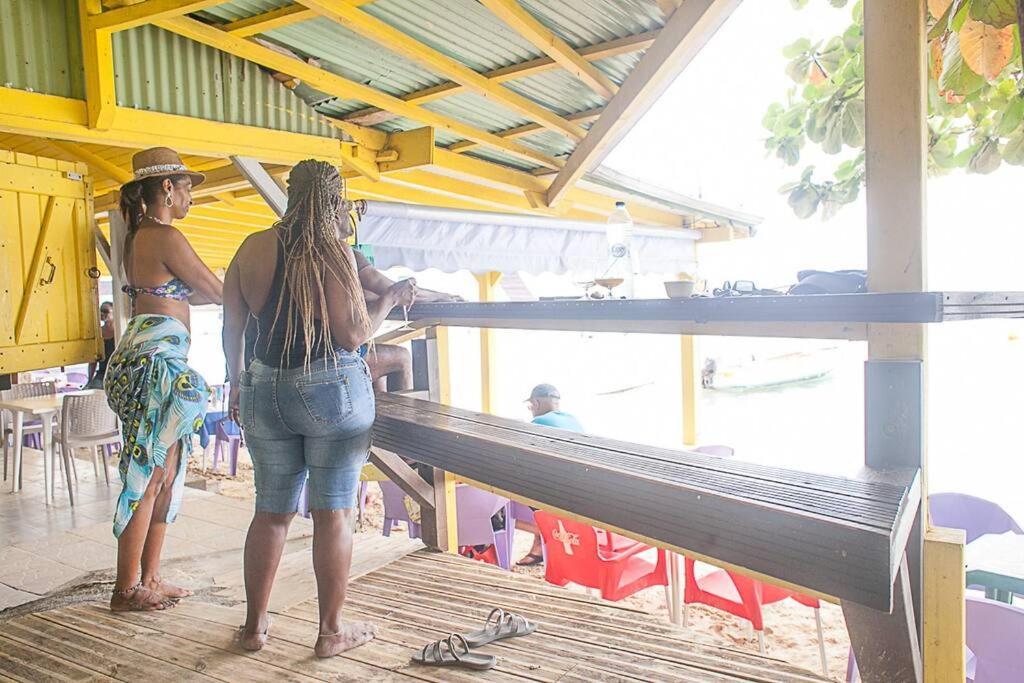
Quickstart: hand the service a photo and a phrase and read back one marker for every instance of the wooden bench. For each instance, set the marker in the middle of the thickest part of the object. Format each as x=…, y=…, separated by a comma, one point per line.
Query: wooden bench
x=838, y=536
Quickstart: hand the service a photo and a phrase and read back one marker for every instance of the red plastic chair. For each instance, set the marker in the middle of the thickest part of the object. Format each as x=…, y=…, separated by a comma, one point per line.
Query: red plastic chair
x=744, y=597
x=578, y=553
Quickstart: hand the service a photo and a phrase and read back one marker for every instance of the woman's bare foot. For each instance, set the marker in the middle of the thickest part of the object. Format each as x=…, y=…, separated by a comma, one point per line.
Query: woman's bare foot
x=139, y=599
x=158, y=585
x=351, y=635
x=253, y=640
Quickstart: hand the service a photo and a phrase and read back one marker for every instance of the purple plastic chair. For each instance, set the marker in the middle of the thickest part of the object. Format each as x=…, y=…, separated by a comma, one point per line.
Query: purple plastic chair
x=976, y=516
x=228, y=436
x=995, y=632
x=394, y=509
x=474, y=509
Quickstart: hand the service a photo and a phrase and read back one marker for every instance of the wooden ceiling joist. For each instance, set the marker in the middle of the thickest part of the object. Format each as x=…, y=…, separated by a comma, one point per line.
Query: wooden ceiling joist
x=529, y=129
x=687, y=31
x=393, y=40
x=620, y=46
x=526, y=25
x=147, y=12
x=345, y=88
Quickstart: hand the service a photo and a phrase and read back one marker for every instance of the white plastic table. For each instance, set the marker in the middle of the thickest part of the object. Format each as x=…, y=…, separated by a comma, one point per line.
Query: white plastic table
x=46, y=409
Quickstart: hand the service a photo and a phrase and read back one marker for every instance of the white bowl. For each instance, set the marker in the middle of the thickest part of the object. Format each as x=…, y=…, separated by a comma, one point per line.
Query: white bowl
x=679, y=289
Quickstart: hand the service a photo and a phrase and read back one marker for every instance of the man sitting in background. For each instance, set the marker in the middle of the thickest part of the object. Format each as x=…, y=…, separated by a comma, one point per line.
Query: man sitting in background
x=545, y=406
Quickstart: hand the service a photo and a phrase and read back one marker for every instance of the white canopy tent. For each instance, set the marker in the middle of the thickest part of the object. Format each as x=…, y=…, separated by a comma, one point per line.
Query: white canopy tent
x=419, y=238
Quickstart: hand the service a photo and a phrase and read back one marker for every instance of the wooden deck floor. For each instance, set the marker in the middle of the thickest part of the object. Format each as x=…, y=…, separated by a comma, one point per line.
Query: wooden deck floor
x=413, y=600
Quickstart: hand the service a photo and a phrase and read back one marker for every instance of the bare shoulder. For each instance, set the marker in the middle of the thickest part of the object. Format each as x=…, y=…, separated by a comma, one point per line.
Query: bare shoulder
x=257, y=246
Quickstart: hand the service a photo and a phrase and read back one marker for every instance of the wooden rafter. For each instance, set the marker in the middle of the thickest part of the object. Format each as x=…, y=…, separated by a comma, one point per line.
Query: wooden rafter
x=147, y=12
x=667, y=7
x=94, y=161
x=343, y=87
x=276, y=18
x=526, y=25
x=529, y=129
x=402, y=44
x=612, y=48
x=689, y=29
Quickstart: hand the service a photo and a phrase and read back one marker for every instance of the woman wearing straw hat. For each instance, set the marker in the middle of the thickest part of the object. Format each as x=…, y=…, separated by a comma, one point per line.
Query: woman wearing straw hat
x=159, y=399
x=306, y=401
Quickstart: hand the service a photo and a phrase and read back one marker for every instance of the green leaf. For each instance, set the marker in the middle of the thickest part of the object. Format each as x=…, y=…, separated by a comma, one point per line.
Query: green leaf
x=817, y=125
x=1012, y=117
x=797, y=69
x=853, y=123
x=986, y=159
x=956, y=76
x=1013, y=153
x=838, y=3
x=998, y=13
x=941, y=24
x=804, y=201
x=943, y=152
x=798, y=4
x=796, y=48
x=959, y=14
x=833, y=142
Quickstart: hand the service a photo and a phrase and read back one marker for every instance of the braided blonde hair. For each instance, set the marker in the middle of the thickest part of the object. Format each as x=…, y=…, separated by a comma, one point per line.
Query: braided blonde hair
x=313, y=252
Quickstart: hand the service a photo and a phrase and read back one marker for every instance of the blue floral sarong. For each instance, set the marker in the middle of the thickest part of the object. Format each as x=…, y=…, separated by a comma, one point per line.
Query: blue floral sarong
x=160, y=401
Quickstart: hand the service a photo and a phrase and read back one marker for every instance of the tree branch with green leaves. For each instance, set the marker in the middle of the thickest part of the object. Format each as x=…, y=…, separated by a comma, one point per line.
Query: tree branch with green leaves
x=975, y=99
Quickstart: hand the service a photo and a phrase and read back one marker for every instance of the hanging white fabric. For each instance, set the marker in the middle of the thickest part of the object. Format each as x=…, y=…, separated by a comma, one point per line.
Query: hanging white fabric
x=420, y=238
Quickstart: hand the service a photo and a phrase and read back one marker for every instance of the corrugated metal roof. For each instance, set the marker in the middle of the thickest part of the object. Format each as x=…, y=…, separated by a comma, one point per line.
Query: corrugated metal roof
x=40, y=48
x=161, y=71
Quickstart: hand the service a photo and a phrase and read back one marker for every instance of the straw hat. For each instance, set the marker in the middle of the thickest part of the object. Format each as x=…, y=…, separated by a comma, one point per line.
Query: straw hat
x=158, y=162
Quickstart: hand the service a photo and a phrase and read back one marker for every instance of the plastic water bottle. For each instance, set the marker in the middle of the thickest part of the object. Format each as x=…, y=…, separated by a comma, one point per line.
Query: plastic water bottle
x=621, y=260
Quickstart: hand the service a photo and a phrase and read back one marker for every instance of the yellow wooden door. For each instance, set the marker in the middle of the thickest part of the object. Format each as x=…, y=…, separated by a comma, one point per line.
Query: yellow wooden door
x=48, y=277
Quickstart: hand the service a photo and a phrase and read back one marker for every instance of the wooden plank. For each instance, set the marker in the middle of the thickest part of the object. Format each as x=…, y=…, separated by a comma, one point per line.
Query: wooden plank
x=33, y=663
x=832, y=535
x=404, y=476
x=943, y=593
x=108, y=657
x=885, y=644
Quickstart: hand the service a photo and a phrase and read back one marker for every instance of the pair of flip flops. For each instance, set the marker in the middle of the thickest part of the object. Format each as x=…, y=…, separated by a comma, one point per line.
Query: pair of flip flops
x=455, y=649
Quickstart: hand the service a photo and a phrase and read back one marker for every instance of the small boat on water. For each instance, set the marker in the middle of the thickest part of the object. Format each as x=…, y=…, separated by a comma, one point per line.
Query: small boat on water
x=768, y=371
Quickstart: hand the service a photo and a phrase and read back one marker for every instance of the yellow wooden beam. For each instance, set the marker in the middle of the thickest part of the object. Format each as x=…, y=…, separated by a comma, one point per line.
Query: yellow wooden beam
x=385, y=191
x=526, y=25
x=400, y=43
x=690, y=388
x=529, y=129
x=944, y=618
x=487, y=284
x=146, y=13
x=282, y=16
x=98, y=65
x=342, y=87
x=93, y=160
x=613, y=48
x=50, y=116
x=686, y=32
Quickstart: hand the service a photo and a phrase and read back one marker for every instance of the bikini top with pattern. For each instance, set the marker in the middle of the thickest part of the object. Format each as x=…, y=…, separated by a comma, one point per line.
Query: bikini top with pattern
x=174, y=288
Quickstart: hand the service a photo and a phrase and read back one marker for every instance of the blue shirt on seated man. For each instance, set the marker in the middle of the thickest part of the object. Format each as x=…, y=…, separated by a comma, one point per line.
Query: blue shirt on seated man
x=545, y=406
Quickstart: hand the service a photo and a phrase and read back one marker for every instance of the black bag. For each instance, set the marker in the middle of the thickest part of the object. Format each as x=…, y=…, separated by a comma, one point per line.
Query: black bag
x=836, y=282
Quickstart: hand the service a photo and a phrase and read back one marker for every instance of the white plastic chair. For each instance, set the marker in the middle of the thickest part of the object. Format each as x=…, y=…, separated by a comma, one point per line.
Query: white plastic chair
x=88, y=422
x=28, y=390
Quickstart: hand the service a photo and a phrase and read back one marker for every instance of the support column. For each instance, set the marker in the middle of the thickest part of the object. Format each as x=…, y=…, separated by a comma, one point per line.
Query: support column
x=122, y=306
x=691, y=388
x=98, y=62
x=264, y=183
x=888, y=646
x=945, y=628
x=488, y=370
x=440, y=525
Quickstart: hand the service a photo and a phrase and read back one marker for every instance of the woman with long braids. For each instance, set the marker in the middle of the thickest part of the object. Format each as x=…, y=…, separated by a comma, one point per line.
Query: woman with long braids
x=305, y=402
x=159, y=399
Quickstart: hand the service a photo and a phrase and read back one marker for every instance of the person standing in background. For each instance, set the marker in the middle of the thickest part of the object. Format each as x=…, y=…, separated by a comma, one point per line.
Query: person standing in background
x=545, y=406
x=98, y=369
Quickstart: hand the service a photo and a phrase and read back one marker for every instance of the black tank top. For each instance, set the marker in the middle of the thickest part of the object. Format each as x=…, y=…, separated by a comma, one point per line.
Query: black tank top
x=267, y=338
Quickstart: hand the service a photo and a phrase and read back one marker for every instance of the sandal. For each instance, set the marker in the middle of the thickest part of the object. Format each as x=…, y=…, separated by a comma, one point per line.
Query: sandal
x=500, y=625
x=531, y=560
x=432, y=654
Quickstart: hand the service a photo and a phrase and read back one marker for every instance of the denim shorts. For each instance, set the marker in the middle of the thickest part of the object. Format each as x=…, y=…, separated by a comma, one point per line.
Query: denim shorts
x=312, y=423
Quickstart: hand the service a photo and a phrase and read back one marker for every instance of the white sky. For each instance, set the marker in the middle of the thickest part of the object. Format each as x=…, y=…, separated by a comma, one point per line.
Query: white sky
x=704, y=138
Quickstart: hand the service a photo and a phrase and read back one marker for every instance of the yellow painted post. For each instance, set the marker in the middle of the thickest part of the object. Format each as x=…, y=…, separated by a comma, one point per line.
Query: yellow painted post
x=487, y=282
x=691, y=388
x=98, y=60
x=944, y=619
